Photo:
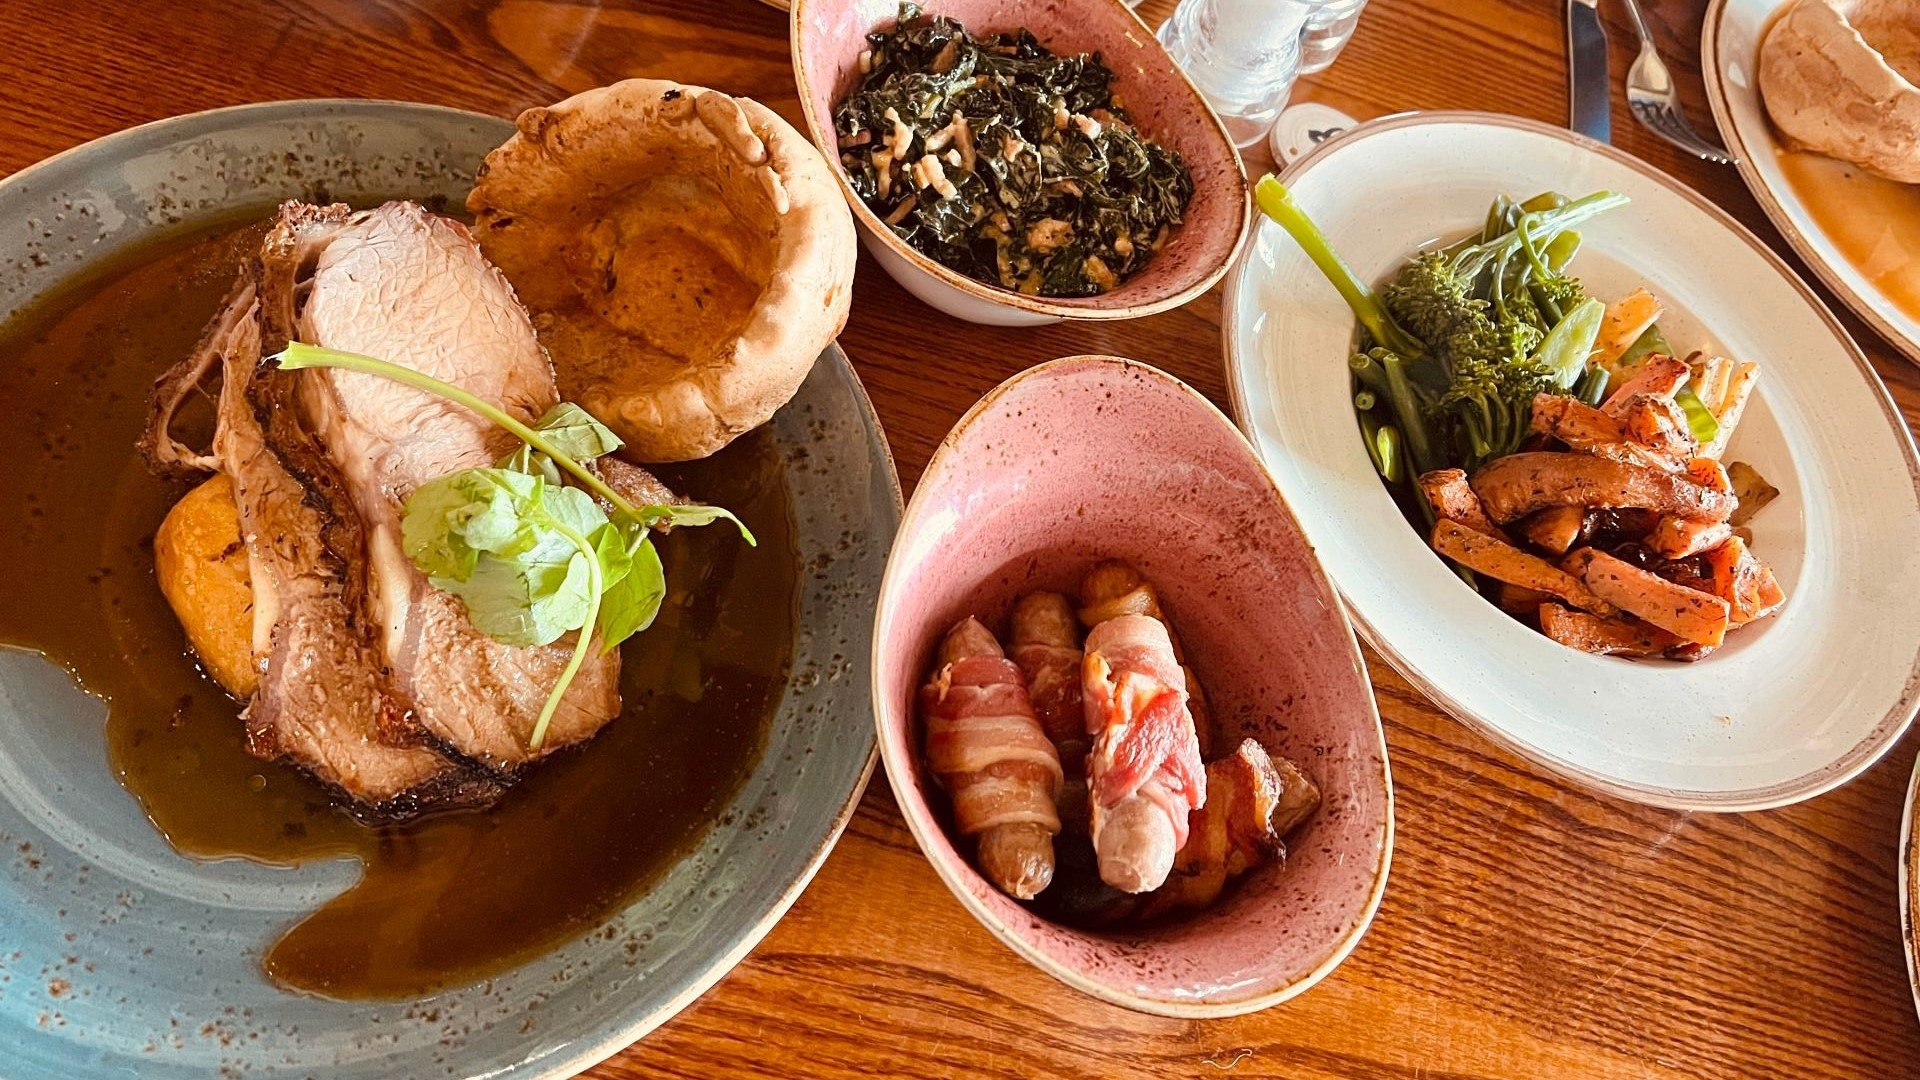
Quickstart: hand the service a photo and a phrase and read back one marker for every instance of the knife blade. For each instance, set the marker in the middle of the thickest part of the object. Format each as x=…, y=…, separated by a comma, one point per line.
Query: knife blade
x=1589, y=104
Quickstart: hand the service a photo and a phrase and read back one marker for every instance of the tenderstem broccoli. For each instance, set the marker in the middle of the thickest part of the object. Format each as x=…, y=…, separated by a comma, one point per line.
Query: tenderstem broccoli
x=1462, y=338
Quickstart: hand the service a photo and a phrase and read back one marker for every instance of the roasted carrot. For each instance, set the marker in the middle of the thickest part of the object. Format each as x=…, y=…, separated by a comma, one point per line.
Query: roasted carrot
x=1555, y=529
x=1520, y=600
x=1709, y=474
x=1453, y=499
x=1502, y=561
x=1593, y=634
x=1677, y=538
x=1689, y=613
x=1659, y=375
x=1660, y=425
x=1740, y=580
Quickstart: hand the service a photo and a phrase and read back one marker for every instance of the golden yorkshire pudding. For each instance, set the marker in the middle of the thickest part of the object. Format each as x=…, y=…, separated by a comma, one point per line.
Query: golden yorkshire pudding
x=686, y=255
x=1838, y=76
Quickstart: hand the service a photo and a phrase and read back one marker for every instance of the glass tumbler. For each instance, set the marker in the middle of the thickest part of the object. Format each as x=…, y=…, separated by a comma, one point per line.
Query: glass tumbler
x=1328, y=30
x=1242, y=54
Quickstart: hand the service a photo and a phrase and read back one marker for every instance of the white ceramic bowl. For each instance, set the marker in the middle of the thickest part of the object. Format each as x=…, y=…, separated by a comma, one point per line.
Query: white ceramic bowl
x=1790, y=707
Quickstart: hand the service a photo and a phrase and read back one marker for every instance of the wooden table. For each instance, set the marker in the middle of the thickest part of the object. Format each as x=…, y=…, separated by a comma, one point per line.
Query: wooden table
x=1530, y=930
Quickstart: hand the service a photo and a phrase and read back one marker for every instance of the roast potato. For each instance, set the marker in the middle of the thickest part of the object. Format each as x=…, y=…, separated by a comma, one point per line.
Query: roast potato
x=203, y=569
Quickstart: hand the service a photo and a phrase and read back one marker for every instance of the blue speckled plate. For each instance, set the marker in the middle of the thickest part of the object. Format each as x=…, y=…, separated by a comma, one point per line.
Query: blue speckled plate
x=119, y=957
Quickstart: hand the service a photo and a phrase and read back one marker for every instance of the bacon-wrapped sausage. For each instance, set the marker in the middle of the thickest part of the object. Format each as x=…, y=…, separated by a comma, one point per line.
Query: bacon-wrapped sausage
x=986, y=748
x=1253, y=799
x=1114, y=587
x=1144, y=774
x=1046, y=645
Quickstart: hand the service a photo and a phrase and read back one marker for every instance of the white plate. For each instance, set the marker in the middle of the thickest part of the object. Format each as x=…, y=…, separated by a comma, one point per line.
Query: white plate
x=1729, y=52
x=1792, y=706
x=1909, y=865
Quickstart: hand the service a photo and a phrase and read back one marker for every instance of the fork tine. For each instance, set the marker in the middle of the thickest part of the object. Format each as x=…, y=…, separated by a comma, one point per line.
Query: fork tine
x=1666, y=122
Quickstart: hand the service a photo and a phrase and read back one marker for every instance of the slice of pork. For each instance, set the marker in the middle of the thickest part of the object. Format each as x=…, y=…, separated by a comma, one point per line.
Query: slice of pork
x=372, y=679
x=322, y=700
x=413, y=289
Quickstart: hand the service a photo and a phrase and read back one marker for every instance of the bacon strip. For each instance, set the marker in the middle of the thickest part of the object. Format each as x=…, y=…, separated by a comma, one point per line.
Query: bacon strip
x=985, y=747
x=1144, y=772
x=1046, y=645
x=1116, y=587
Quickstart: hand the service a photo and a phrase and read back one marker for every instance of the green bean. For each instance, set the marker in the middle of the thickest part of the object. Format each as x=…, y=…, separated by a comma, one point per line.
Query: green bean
x=1406, y=409
x=1368, y=370
x=1365, y=401
x=1546, y=200
x=1592, y=387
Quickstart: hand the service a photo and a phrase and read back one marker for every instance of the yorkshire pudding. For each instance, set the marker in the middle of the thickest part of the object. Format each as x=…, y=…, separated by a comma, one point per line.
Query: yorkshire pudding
x=686, y=255
x=1838, y=76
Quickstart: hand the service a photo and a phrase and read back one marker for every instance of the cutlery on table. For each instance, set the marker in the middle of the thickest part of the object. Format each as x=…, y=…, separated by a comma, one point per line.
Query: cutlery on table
x=1655, y=102
x=1588, y=107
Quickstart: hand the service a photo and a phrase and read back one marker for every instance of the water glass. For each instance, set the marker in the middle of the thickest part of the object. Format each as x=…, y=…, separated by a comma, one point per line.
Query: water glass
x=1245, y=54
x=1329, y=29
x=1242, y=54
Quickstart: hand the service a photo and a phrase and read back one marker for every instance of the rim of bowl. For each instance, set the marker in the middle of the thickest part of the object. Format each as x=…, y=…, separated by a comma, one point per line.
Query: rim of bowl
x=587, y=1055
x=1897, y=720
x=1061, y=308
x=926, y=831
x=1909, y=866
x=1902, y=341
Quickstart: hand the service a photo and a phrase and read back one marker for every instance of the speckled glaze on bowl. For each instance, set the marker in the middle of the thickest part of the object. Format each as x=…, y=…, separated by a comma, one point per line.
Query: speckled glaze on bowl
x=827, y=38
x=1095, y=457
x=119, y=957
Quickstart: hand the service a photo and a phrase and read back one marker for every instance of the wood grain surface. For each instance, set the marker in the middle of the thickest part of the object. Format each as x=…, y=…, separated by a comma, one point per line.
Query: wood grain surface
x=1530, y=930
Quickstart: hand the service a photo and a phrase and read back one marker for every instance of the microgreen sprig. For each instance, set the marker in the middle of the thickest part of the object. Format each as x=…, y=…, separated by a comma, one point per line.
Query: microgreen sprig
x=530, y=558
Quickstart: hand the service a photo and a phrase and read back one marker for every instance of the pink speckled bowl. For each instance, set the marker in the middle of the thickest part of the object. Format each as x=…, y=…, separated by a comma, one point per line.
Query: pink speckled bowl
x=1095, y=457
x=827, y=38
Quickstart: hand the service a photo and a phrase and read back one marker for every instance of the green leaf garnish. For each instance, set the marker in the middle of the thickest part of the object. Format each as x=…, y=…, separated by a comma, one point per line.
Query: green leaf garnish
x=530, y=558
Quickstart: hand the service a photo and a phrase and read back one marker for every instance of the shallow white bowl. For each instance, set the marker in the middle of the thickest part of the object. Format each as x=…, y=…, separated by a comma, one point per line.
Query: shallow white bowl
x=1790, y=707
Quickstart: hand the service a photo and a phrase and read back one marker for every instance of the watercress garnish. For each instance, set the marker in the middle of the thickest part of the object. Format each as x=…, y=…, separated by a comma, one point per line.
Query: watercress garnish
x=529, y=557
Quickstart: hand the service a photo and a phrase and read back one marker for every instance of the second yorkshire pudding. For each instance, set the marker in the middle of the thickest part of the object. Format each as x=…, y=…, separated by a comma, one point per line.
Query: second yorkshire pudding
x=1839, y=77
x=685, y=254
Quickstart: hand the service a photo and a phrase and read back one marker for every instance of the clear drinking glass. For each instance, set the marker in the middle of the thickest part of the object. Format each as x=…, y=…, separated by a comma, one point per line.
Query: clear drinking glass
x=1328, y=30
x=1242, y=54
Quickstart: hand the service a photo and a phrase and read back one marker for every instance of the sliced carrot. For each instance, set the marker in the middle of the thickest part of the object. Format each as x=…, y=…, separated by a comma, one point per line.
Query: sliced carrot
x=1591, y=633
x=1453, y=499
x=1555, y=529
x=1677, y=538
x=1739, y=579
x=1659, y=375
x=1710, y=474
x=1502, y=561
x=1691, y=614
x=1520, y=600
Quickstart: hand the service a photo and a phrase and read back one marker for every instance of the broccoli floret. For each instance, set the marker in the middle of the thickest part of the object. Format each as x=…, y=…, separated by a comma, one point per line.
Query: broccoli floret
x=1428, y=300
x=1557, y=294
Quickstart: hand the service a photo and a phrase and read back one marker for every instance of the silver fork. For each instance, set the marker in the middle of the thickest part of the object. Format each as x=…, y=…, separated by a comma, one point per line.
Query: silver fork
x=1655, y=103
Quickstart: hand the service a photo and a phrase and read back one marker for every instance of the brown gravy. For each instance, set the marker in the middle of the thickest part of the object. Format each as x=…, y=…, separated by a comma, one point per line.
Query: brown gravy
x=443, y=901
x=1874, y=222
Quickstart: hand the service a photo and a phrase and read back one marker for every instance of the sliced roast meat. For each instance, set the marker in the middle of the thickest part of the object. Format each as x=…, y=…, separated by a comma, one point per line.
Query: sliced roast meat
x=322, y=699
x=1517, y=485
x=372, y=679
x=413, y=289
